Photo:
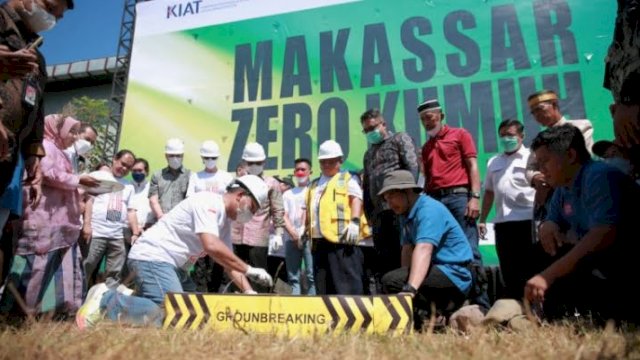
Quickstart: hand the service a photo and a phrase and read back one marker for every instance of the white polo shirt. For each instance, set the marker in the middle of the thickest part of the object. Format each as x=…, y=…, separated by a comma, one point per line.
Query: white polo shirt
x=140, y=200
x=109, y=215
x=506, y=177
x=216, y=182
x=174, y=238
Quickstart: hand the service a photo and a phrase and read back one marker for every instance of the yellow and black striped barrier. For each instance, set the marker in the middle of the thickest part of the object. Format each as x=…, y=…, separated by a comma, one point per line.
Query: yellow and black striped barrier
x=290, y=315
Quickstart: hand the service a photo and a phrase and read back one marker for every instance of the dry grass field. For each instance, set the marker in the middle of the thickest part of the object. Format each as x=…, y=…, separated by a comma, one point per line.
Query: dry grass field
x=48, y=340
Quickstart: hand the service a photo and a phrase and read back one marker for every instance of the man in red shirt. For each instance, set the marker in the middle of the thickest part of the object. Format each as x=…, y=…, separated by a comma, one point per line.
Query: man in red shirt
x=451, y=175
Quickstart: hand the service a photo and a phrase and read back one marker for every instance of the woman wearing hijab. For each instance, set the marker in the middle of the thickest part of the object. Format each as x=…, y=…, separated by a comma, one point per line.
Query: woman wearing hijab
x=46, y=273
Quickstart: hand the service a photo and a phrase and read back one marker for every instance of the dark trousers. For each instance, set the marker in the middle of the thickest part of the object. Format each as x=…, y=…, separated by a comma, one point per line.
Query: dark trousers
x=369, y=277
x=457, y=204
x=338, y=268
x=435, y=289
x=255, y=256
x=594, y=298
x=514, y=247
x=386, y=241
x=207, y=275
x=277, y=268
x=7, y=168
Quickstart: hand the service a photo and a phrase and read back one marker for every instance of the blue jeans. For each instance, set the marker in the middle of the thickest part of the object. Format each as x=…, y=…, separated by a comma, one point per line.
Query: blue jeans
x=153, y=280
x=457, y=205
x=293, y=258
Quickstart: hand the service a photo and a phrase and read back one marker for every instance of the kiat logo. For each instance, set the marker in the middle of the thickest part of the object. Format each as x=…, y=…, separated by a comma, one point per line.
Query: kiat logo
x=183, y=9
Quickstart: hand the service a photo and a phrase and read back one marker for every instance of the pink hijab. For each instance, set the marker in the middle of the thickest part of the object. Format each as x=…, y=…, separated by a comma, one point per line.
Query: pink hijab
x=56, y=128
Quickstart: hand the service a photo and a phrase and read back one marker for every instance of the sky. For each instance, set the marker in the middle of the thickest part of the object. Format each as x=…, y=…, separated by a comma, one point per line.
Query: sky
x=89, y=31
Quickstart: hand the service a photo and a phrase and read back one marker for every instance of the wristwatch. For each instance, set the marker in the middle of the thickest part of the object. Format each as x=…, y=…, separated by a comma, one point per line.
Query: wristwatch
x=475, y=195
x=407, y=288
x=355, y=220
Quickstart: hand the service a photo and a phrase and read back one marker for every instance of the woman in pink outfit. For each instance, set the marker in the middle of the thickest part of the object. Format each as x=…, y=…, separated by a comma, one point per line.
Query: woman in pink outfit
x=46, y=269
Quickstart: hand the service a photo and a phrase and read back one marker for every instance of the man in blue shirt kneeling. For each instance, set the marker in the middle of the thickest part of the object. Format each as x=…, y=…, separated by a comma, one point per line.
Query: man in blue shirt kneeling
x=436, y=256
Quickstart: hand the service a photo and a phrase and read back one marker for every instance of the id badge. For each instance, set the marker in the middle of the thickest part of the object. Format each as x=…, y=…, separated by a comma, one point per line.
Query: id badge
x=30, y=93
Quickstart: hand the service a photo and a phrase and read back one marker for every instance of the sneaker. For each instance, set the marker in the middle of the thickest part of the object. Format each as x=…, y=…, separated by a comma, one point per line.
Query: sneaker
x=90, y=313
x=124, y=290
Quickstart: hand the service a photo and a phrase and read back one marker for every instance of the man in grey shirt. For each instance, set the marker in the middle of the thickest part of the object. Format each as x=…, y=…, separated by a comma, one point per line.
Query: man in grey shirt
x=169, y=185
x=388, y=152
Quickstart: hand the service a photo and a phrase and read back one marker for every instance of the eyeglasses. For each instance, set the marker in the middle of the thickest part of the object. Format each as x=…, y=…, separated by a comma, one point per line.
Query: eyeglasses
x=209, y=158
x=255, y=162
x=371, y=128
x=174, y=155
x=540, y=107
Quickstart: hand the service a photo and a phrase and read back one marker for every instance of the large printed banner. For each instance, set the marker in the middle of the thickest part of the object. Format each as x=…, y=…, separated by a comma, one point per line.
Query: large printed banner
x=292, y=74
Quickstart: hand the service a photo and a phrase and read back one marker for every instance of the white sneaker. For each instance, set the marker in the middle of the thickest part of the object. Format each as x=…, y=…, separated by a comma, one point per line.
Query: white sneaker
x=124, y=290
x=89, y=313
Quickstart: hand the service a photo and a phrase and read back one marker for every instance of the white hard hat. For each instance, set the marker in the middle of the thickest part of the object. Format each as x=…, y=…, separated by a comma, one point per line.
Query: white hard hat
x=256, y=187
x=174, y=147
x=209, y=148
x=329, y=150
x=253, y=152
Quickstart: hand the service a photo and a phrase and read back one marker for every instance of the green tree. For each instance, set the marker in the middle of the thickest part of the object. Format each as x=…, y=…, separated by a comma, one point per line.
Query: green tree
x=95, y=112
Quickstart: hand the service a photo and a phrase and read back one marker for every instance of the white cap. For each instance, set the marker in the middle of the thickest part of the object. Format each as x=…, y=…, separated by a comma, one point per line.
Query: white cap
x=174, y=147
x=209, y=148
x=253, y=152
x=329, y=150
x=257, y=188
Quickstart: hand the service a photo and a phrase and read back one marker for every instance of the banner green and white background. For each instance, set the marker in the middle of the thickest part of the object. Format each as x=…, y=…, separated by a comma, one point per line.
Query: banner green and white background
x=291, y=74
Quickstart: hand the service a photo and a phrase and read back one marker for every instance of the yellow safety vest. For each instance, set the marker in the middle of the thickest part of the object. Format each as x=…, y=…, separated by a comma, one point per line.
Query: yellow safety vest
x=334, y=210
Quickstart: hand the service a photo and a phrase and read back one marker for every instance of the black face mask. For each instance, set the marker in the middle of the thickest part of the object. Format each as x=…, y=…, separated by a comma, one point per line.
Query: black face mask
x=138, y=177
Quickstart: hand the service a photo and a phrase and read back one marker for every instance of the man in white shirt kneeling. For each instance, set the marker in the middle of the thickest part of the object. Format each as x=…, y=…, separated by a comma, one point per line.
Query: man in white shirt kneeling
x=161, y=257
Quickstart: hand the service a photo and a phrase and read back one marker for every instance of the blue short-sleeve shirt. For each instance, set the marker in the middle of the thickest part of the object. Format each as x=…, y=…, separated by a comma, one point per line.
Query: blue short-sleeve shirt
x=601, y=195
x=595, y=198
x=429, y=221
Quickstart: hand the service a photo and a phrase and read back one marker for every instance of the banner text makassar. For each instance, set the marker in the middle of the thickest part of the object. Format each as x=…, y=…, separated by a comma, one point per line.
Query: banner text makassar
x=291, y=76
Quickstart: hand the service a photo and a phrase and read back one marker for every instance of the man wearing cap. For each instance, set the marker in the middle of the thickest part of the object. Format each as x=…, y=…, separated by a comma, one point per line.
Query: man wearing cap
x=251, y=240
x=24, y=75
x=164, y=253
x=388, y=151
x=206, y=274
x=450, y=163
x=436, y=255
x=336, y=224
x=169, y=186
x=546, y=111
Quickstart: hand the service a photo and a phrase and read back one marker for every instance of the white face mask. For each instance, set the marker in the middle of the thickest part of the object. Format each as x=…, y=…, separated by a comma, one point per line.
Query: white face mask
x=433, y=132
x=175, y=163
x=210, y=164
x=255, y=169
x=38, y=19
x=301, y=180
x=82, y=146
x=244, y=215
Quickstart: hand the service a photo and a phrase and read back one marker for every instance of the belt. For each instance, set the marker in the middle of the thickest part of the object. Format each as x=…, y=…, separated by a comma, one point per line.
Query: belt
x=449, y=191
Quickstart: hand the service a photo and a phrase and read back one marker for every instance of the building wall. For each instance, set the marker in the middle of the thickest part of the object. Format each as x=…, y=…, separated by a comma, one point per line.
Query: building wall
x=56, y=98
